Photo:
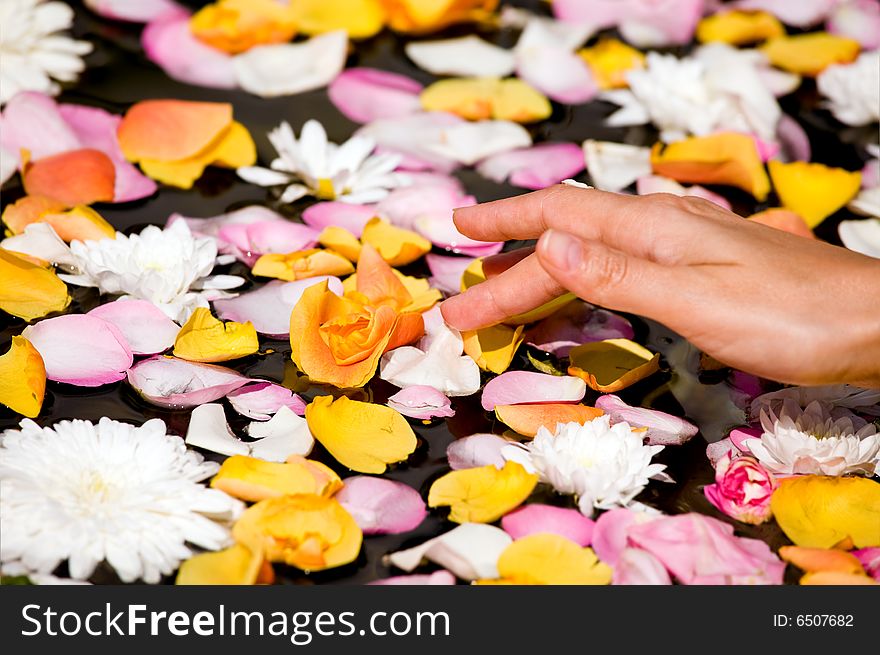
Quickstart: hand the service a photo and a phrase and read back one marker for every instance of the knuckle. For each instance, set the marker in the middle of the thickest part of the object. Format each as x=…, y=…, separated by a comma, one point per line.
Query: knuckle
x=606, y=270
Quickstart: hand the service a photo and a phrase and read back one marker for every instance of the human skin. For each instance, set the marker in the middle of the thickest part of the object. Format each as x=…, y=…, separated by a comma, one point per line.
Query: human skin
x=756, y=298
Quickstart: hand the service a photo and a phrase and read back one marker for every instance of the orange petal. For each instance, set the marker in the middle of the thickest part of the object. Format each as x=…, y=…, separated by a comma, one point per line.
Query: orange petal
x=27, y=210
x=419, y=16
x=814, y=191
x=170, y=130
x=811, y=53
x=22, y=378
x=613, y=364
x=395, y=245
x=340, y=240
x=726, y=158
x=739, y=27
x=77, y=177
x=303, y=264
x=528, y=419
x=785, y=220
x=81, y=222
x=836, y=578
x=254, y=479
x=821, y=559
x=378, y=283
x=410, y=326
x=27, y=290
x=238, y=25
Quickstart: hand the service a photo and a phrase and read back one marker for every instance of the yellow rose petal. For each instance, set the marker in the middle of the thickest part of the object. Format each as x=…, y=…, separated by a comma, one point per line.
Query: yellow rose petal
x=27, y=290
x=301, y=265
x=204, y=338
x=813, y=191
x=397, y=246
x=819, y=511
x=254, y=479
x=481, y=98
x=307, y=531
x=610, y=60
x=238, y=25
x=613, y=364
x=362, y=436
x=360, y=18
x=739, y=27
x=236, y=565
x=482, y=494
x=340, y=240
x=80, y=222
x=22, y=378
x=550, y=559
x=810, y=54
x=493, y=348
x=419, y=16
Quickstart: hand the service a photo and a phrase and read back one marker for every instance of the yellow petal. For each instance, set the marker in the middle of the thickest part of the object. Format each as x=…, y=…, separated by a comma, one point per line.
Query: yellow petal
x=307, y=531
x=836, y=578
x=397, y=246
x=420, y=16
x=232, y=149
x=303, y=264
x=551, y=559
x=22, y=378
x=254, y=479
x=360, y=18
x=81, y=222
x=739, y=27
x=238, y=25
x=474, y=274
x=493, y=348
x=481, y=98
x=610, y=60
x=27, y=290
x=810, y=54
x=819, y=511
x=236, y=565
x=613, y=364
x=725, y=158
x=204, y=338
x=340, y=240
x=813, y=191
x=362, y=436
x=482, y=494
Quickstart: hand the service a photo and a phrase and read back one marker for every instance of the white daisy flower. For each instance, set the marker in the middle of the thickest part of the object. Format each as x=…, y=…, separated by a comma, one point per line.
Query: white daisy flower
x=313, y=166
x=853, y=90
x=810, y=441
x=32, y=53
x=111, y=492
x=604, y=465
x=171, y=268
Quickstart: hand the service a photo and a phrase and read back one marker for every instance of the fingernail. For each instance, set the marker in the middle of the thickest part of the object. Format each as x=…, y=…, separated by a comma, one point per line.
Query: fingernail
x=561, y=249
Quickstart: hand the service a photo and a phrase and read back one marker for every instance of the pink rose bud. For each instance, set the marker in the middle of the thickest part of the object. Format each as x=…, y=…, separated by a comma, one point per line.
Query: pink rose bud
x=742, y=489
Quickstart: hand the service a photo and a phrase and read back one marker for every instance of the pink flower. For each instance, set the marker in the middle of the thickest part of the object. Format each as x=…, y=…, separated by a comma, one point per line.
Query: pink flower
x=742, y=489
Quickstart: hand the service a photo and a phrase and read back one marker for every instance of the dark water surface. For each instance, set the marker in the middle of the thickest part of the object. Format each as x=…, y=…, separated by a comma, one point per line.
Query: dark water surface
x=119, y=75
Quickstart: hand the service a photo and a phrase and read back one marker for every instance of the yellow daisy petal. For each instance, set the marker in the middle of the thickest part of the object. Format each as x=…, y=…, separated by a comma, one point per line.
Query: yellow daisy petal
x=27, y=290
x=22, y=378
x=813, y=191
x=204, y=338
x=613, y=364
x=482, y=494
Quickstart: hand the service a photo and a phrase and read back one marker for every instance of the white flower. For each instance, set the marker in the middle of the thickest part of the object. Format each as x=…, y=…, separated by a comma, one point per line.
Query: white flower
x=811, y=442
x=314, y=166
x=87, y=493
x=853, y=90
x=604, y=465
x=717, y=89
x=32, y=54
x=169, y=267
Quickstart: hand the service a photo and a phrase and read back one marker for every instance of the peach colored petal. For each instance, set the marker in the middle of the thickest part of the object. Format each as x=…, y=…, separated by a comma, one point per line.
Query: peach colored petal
x=77, y=177
x=528, y=419
x=785, y=220
x=821, y=559
x=377, y=282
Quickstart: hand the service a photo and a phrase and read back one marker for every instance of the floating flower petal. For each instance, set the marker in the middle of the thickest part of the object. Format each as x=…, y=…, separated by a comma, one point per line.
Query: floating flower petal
x=360, y=18
x=861, y=236
x=612, y=364
x=614, y=166
x=22, y=378
x=146, y=329
x=369, y=94
x=421, y=402
x=483, y=98
x=813, y=191
x=524, y=387
x=476, y=450
x=662, y=429
x=236, y=565
x=464, y=56
x=534, y=168
x=483, y=494
x=551, y=559
x=535, y=518
x=262, y=400
x=204, y=338
x=382, y=506
x=27, y=290
x=253, y=479
x=493, y=348
x=739, y=27
x=179, y=384
x=77, y=177
x=527, y=420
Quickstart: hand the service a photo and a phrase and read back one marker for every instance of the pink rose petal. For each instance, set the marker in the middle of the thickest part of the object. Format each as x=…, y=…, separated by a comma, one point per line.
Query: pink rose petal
x=145, y=327
x=660, y=23
x=859, y=20
x=738, y=437
x=438, y=196
x=211, y=226
x=793, y=139
x=598, y=13
x=436, y=578
x=339, y=214
x=577, y=323
x=133, y=11
x=179, y=384
x=870, y=559
x=534, y=168
x=382, y=506
x=416, y=137
x=698, y=549
x=169, y=44
x=610, y=532
x=446, y=272
x=80, y=349
x=558, y=73
x=368, y=94
x=639, y=567
x=262, y=400
x=477, y=450
x=440, y=230
x=249, y=241
x=421, y=402
x=31, y=121
x=269, y=307
x=517, y=387
x=663, y=429
x=535, y=518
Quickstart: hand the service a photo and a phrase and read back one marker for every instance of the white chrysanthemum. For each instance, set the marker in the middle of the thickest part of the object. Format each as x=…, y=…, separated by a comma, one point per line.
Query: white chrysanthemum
x=853, y=90
x=170, y=268
x=719, y=88
x=810, y=441
x=604, y=465
x=32, y=53
x=87, y=493
x=311, y=165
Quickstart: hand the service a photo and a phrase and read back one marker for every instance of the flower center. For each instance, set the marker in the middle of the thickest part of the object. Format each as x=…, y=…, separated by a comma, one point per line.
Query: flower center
x=325, y=190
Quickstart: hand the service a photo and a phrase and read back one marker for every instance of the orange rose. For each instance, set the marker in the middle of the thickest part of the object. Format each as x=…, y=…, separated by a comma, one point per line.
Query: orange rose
x=339, y=340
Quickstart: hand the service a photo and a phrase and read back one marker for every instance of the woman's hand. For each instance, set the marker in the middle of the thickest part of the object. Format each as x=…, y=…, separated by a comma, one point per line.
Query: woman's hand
x=754, y=297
